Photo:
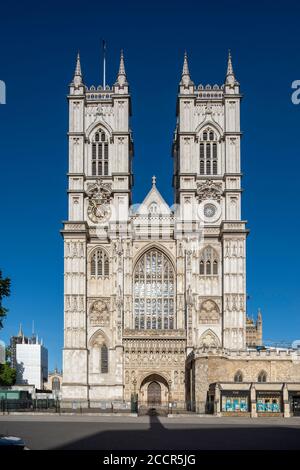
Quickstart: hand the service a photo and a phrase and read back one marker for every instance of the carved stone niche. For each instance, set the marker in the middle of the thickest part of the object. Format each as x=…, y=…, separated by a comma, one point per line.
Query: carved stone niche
x=209, y=190
x=99, y=313
x=209, y=312
x=209, y=340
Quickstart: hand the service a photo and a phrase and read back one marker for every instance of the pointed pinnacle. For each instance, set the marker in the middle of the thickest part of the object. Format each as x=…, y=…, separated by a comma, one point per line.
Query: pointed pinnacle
x=122, y=65
x=185, y=68
x=185, y=77
x=78, y=66
x=77, y=80
x=20, y=334
x=121, y=78
x=229, y=65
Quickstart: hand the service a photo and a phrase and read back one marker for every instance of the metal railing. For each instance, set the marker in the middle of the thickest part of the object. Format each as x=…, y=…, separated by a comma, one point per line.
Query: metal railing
x=11, y=405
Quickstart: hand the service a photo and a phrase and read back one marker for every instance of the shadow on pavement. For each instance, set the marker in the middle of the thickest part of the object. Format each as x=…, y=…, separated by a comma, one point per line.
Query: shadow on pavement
x=189, y=437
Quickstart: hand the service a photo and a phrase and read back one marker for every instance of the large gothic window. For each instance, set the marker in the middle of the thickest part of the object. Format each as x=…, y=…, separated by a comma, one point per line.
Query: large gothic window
x=209, y=263
x=99, y=264
x=208, y=153
x=100, y=154
x=154, y=282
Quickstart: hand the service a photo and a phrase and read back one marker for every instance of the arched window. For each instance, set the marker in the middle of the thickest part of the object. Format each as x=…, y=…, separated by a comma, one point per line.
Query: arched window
x=104, y=359
x=99, y=264
x=262, y=376
x=153, y=208
x=208, y=267
x=55, y=383
x=209, y=264
x=238, y=376
x=154, y=282
x=215, y=267
x=99, y=357
x=208, y=153
x=202, y=269
x=100, y=154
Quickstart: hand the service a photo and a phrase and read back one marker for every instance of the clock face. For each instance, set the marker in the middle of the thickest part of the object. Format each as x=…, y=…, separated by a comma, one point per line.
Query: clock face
x=209, y=210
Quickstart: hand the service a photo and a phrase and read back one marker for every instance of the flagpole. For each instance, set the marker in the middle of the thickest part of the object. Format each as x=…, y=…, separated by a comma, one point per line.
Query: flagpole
x=104, y=64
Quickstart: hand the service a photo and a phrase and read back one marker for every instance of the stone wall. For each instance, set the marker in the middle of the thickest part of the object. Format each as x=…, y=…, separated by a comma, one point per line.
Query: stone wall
x=210, y=369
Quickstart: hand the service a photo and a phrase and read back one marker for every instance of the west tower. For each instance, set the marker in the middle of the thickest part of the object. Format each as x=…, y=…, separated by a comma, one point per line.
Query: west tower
x=99, y=193
x=207, y=176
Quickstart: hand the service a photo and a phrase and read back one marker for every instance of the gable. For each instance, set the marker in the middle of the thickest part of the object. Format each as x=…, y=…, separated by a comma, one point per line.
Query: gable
x=154, y=204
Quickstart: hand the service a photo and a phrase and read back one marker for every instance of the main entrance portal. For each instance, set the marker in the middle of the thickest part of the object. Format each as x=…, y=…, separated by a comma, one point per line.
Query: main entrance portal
x=154, y=394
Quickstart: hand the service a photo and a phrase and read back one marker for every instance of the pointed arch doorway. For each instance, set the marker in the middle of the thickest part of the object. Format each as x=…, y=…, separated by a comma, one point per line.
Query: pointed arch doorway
x=154, y=394
x=154, y=391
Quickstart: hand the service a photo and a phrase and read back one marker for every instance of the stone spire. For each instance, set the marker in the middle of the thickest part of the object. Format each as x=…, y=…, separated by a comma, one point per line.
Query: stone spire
x=185, y=68
x=121, y=78
x=77, y=80
x=259, y=316
x=230, y=77
x=20, y=334
x=185, y=77
x=153, y=181
x=229, y=64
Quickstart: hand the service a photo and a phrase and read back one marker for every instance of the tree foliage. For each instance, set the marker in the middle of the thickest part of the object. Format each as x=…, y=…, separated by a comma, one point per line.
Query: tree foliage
x=4, y=292
x=7, y=375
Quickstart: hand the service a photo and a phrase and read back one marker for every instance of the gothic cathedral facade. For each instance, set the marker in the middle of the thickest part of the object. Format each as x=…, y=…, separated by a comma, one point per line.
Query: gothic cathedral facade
x=149, y=288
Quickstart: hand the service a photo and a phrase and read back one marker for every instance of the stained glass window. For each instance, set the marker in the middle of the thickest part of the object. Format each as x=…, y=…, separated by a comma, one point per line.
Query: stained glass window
x=154, y=291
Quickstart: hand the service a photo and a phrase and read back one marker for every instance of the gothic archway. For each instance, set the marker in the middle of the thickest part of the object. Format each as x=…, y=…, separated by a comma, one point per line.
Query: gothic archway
x=154, y=391
x=154, y=394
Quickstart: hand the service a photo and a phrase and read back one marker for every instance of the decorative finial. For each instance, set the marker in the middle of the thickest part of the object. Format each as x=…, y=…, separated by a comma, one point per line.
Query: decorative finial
x=153, y=180
x=77, y=80
x=121, y=79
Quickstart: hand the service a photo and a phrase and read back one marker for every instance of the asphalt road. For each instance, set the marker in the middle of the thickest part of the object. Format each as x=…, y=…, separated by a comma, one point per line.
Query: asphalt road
x=153, y=433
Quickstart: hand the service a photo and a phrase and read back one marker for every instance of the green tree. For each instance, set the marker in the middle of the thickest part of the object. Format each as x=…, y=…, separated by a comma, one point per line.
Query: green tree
x=7, y=375
x=4, y=292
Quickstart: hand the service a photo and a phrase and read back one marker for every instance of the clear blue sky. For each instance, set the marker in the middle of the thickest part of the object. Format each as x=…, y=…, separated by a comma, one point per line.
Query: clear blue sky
x=38, y=45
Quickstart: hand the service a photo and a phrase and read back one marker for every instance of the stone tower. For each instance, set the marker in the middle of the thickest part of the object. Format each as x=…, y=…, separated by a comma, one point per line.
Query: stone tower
x=99, y=194
x=207, y=178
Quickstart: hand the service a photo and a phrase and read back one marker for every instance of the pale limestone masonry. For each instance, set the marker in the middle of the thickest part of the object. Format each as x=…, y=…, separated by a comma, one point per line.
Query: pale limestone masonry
x=155, y=296
x=219, y=367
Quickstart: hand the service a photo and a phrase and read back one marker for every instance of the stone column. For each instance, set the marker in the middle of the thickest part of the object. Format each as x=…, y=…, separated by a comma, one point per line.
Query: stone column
x=253, y=401
x=286, y=403
x=217, y=404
